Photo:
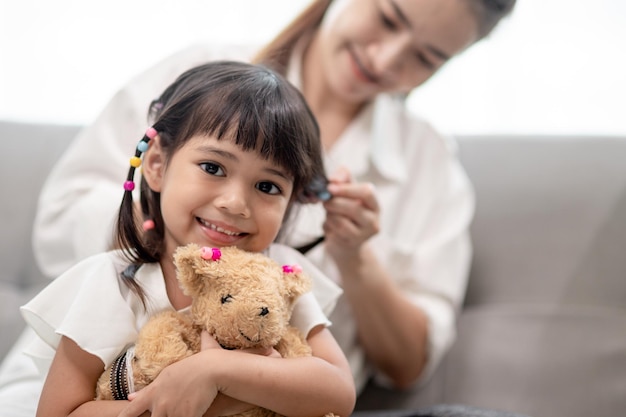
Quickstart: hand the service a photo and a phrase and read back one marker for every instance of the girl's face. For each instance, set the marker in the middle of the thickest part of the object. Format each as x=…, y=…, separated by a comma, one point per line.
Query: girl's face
x=215, y=194
x=366, y=47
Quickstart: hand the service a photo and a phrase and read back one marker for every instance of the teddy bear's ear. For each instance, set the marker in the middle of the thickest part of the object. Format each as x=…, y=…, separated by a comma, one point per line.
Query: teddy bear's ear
x=296, y=282
x=188, y=261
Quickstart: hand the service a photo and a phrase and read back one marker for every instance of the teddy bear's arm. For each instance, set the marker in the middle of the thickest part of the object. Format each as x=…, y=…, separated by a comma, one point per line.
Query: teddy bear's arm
x=167, y=338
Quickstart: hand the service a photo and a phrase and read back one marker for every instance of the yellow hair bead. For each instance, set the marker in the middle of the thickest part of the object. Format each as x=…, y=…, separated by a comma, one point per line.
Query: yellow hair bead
x=135, y=161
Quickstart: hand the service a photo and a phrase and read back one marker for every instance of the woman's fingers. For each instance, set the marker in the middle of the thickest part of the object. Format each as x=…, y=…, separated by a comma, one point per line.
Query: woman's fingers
x=364, y=193
x=355, y=203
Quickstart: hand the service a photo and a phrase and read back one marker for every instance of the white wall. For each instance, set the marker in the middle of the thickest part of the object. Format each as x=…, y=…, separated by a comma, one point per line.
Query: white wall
x=555, y=66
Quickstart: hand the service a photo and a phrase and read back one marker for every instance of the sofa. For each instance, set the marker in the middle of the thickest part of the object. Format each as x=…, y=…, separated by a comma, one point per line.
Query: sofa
x=543, y=327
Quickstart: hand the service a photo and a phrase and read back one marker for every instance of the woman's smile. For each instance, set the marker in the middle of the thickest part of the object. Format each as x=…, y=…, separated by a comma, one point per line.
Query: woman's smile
x=360, y=70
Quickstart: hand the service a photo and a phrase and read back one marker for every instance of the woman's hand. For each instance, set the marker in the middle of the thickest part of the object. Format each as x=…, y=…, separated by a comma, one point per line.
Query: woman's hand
x=352, y=215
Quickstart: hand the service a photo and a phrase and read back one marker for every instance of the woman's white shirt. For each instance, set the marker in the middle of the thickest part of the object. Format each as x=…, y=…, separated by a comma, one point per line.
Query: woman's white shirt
x=426, y=207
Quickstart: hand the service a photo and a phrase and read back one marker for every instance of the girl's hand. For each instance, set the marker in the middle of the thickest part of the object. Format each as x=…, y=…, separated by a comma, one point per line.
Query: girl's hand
x=184, y=391
x=179, y=390
x=352, y=215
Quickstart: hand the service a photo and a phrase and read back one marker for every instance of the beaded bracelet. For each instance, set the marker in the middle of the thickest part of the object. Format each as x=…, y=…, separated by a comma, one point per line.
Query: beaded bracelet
x=121, y=377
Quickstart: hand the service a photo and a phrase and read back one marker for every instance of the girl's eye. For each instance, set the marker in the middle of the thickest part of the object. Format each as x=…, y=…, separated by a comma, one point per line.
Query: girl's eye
x=211, y=168
x=268, y=187
x=387, y=22
x=226, y=298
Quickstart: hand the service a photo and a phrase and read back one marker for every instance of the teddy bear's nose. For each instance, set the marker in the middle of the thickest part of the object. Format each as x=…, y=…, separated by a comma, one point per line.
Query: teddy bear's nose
x=264, y=311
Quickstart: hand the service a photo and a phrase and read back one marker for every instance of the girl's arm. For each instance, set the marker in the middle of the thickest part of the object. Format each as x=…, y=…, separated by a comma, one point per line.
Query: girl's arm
x=306, y=386
x=69, y=389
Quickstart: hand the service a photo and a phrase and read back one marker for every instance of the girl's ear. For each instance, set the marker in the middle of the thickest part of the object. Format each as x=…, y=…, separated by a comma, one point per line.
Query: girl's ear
x=153, y=165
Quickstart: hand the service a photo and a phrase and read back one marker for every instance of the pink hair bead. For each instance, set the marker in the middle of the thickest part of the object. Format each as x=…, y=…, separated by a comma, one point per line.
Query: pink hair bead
x=212, y=254
x=135, y=161
x=290, y=269
x=148, y=225
x=129, y=185
x=151, y=132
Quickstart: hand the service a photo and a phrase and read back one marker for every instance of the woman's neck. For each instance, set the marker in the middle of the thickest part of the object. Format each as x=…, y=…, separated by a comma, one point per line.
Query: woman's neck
x=332, y=113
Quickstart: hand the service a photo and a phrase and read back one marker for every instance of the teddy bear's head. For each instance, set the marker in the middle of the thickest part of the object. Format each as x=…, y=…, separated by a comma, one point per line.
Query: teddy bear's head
x=243, y=299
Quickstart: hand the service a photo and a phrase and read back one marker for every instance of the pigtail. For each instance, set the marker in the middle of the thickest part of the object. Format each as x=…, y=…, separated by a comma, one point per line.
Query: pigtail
x=129, y=237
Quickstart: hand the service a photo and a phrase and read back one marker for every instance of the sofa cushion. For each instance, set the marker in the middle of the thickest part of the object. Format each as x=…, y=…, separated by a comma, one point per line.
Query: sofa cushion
x=550, y=224
x=540, y=361
x=543, y=329
x=29, y=152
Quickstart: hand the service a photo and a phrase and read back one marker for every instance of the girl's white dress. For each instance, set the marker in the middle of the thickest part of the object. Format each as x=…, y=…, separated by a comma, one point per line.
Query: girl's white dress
x=91, y=305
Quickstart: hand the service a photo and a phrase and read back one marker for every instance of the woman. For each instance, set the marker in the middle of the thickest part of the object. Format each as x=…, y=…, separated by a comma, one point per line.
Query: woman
x=395, y=231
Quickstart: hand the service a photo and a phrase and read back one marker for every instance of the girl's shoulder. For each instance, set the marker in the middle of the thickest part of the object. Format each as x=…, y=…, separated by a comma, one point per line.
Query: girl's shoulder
x=106, y=270
x=90, y=299
x=101, y=264
x=92, y=274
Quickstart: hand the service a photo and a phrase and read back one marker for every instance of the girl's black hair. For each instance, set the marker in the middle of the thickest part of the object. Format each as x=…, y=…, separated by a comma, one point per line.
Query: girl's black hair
x=249, y=104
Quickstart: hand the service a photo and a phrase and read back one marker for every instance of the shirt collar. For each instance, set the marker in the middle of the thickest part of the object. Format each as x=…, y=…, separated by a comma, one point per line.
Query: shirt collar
x=388, y=128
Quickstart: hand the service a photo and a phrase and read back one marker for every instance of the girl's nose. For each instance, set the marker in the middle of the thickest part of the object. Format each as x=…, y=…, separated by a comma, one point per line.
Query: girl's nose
x=234, y=200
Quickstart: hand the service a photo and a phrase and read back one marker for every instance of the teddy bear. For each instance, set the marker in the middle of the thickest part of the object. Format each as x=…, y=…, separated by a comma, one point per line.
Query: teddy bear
x=242, y=299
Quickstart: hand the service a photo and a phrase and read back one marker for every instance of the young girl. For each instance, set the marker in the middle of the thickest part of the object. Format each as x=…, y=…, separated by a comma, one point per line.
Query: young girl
x=232, y=147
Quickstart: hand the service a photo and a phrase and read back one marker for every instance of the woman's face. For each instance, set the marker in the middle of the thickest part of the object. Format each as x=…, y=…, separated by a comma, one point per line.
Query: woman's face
x=366, y=47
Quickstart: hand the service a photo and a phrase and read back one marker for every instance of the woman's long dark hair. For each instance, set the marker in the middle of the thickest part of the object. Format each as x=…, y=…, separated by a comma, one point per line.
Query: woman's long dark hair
x=249, y=104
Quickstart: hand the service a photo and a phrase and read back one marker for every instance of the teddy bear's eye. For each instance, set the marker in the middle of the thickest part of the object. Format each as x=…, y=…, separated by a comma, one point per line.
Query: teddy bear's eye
x=226, y=298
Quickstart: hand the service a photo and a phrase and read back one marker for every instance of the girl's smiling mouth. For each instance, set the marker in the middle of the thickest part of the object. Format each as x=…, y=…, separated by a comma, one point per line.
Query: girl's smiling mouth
x=219, y=229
